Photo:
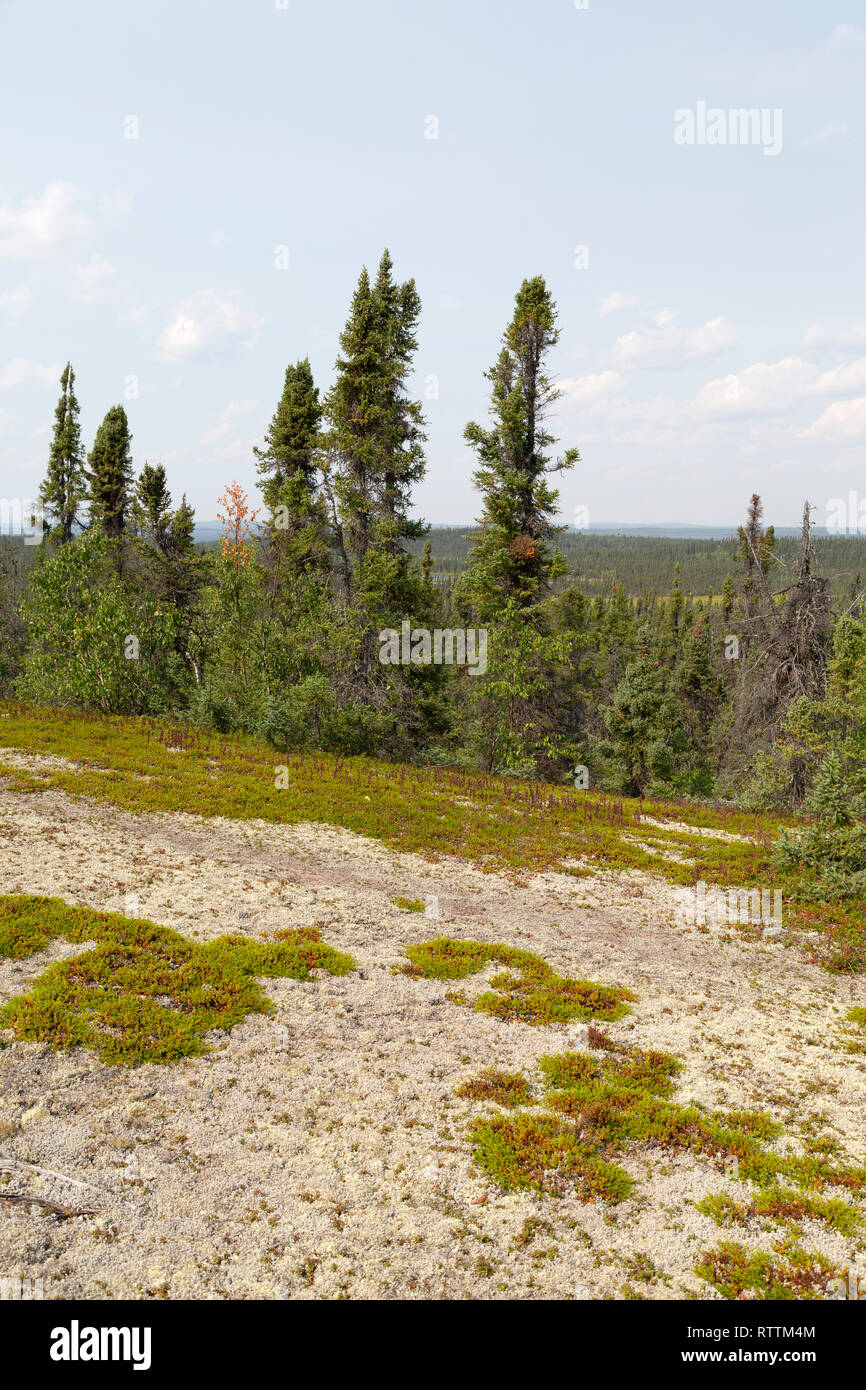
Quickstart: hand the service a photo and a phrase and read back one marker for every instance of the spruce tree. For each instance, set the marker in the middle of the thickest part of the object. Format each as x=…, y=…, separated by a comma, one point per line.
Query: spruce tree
x=287, y=466
x=150, y=511
x=351, y=411
x=110, y=474
x=375, y=437
x=512, y=558
x=65, y=485
x=402, y=423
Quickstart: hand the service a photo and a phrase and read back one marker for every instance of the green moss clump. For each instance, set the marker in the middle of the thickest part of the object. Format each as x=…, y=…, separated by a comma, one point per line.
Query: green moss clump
x=529, y=990
x=546, y=1153
x=792, y=1273
x=783, y=1204
x=409, y=904
x=143, y=993
x=602, y=1107
x=504, y=1088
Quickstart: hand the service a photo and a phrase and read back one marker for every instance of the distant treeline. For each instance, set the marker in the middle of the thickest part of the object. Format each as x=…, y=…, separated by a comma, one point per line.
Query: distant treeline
x=639, y=564
x=647, y=564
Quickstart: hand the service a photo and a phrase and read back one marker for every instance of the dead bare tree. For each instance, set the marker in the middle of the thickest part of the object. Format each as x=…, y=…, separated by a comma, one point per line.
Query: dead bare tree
x=786, y=642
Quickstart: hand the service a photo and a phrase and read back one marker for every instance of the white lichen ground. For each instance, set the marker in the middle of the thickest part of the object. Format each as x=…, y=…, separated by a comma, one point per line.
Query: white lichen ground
x=321, y=1151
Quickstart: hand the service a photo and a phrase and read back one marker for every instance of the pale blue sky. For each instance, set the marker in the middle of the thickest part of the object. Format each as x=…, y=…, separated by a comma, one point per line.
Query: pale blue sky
x=715, y=343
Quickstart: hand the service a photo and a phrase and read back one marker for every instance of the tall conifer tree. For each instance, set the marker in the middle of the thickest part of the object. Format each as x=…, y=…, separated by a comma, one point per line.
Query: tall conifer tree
x=375, y=436
x=297, y=521
x=65, y=485
x=512, y=560
x=110, y=475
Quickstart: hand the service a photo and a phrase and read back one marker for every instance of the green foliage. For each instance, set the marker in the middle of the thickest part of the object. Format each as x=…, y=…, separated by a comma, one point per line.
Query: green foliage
x=830, y=853
x=81, y=620
x=791, y=1273
x=544, y=1153
x=501, y=1087
x=529, y=990
x=64, y=487
x=288, y=469
x=143, y=993
x=644, y=733
x=784, y=1205
x=601, y=1108
x=374, y=441
x=110, y=473
x=511, y=717
x=12, y=626
x=511, y=559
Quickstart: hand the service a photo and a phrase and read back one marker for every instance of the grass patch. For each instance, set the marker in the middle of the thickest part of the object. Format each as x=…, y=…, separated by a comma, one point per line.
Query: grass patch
x=499, y=823
x=789, y=1273
x=783, y=1204
x=143, y=993
x=601, y=1108
x=529, y=990
x=409, y=904
x=541, y=1152
x=504, y=1088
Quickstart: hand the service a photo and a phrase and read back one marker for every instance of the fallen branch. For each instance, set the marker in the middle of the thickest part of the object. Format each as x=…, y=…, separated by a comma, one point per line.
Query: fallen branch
x=63, y=1213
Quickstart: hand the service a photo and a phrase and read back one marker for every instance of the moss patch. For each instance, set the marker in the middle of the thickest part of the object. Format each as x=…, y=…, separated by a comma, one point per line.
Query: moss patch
x=785, y=1205
x=789, y=1273
x=502, y=1087
x=603, y=1107
x=498, y=823
x=409, y=904
x=144, y=993
x=529, y=990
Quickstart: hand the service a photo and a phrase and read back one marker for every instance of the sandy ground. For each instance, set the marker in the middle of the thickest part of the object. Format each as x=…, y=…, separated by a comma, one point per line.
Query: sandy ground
x=321, y=1152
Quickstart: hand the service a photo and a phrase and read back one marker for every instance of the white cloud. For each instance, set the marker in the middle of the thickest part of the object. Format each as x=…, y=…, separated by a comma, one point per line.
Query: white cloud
x=824, y=134
x=19, y=372
x=91, y=281
x=236, y=408
x=668, y=345
x=593, y=389
x=40, y=228
x=845, y=36
x=849, y=377
x=765, y=388
x=817, y=334
x=664, y=317
x=205, y=320
x=616, y=301
x=16, y=302
x=843, y=422
x=233, y=411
